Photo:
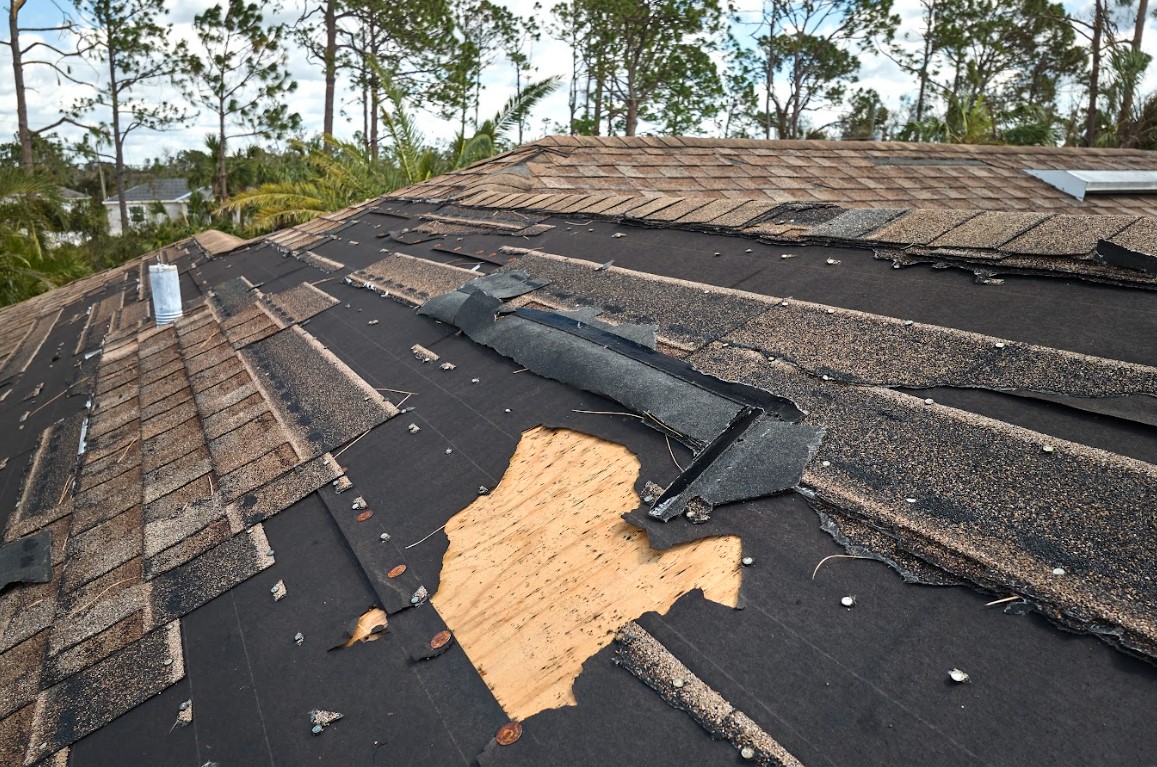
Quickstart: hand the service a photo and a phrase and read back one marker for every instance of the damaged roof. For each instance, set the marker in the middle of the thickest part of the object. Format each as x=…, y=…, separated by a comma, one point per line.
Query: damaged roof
x=567, y=475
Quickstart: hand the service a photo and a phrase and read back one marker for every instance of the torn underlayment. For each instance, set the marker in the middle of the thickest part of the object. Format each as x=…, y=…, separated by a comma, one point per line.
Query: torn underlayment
x=749, y=441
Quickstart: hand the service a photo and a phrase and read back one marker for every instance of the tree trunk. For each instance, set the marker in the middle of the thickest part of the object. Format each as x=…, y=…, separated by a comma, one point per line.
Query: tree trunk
x=330, y=63
x=632, y=104
x=222, y=170
x=18, y=81
x=117, y=140
x=1138, y=34
x=929, y=26
x=1095, y=73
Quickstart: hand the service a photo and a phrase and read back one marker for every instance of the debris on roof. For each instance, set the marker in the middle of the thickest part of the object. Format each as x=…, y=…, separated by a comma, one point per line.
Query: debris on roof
x=651, y=350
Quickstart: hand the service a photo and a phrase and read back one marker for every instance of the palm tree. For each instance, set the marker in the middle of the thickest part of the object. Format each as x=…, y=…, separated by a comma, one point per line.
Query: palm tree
x=29, y=210
x=344, y=173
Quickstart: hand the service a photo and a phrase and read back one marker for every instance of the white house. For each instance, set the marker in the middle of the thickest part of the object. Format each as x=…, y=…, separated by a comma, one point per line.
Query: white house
x=170, y=194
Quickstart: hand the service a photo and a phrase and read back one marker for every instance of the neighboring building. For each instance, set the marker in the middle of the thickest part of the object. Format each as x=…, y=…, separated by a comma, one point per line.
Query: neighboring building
x=146, y=201
x=650, y=457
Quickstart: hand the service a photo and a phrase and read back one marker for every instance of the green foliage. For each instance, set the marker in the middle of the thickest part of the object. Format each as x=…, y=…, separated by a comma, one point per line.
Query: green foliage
x=644, y=59
x=125, y=40
x=866, y=119
x=240, y=76
x=341, y=173
x=809, y=54
x=30, y=212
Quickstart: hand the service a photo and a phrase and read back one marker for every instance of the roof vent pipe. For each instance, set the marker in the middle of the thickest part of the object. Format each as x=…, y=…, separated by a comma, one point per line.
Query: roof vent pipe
x=166, y=290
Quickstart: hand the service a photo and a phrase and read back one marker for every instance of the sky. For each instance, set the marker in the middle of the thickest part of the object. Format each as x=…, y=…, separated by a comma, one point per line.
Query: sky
x=49, y=95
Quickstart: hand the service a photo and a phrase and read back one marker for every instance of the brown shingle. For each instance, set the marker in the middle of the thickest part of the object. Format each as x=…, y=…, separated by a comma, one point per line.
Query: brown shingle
x=1067, y=235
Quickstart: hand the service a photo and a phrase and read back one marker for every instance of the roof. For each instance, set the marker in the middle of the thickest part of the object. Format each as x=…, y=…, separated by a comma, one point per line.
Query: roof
x=861, y=174
x=157, y=190
x=501, y=484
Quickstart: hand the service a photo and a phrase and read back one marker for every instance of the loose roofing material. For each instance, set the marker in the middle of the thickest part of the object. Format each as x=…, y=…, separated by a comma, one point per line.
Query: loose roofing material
x=755, y=412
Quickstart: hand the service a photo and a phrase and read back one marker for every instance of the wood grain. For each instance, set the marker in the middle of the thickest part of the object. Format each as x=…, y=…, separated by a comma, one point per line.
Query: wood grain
x=540, y=573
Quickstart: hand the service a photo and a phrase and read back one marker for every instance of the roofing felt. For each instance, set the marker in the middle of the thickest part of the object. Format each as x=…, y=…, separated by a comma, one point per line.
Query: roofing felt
x=259, y=475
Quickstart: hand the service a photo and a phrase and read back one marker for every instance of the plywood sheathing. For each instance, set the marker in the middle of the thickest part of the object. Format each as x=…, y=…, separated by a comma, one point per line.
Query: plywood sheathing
x=540, y=573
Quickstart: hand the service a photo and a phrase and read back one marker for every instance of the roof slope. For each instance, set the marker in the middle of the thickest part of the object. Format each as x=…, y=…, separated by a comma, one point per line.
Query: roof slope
x=863, y=174
x=303, y=445
x=157, y=190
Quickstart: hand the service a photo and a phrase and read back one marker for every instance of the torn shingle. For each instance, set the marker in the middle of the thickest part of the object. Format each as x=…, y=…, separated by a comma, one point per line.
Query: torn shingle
x=192, y=584
x=320, y=398
x=26, y=560
x=78, y=705
x=627, y=296
x=854, y=223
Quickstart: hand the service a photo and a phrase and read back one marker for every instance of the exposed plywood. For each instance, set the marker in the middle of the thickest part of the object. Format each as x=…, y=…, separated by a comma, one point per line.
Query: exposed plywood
x=540, y=573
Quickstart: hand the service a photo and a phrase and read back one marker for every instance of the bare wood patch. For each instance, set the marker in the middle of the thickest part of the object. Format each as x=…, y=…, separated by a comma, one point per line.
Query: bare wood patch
x=541, y=573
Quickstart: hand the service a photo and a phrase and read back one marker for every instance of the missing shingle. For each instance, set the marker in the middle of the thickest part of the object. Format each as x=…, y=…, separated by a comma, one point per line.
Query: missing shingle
x=512, y=604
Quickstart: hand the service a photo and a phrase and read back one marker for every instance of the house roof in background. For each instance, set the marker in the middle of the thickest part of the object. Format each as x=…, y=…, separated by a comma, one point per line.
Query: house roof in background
x=303, y=445
x=862, y=174
x=157, y=190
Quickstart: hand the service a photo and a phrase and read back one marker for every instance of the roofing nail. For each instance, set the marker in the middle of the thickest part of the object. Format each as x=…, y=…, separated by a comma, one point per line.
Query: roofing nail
x=848, y=601
x=747, y=561
x=958, y=676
